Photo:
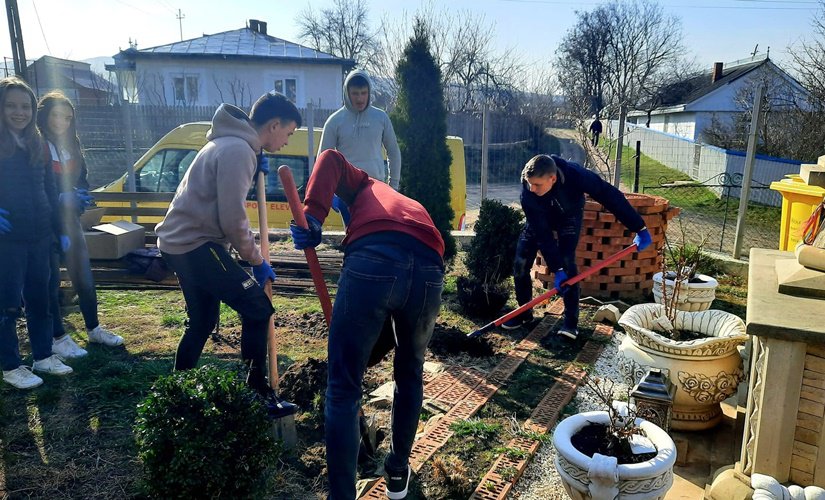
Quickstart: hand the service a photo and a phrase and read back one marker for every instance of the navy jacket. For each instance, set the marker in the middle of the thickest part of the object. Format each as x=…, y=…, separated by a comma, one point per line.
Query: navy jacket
x=29, y=193
x=564, y=206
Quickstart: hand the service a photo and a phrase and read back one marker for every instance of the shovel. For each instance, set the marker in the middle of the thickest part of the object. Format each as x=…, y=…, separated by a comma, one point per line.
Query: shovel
x=546, y=295
x=263, y=228
x=300, y=219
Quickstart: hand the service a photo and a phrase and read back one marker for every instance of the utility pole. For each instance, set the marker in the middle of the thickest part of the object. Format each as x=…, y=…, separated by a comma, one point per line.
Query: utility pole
x=16, y=36
x=180, y=17
x=750, y=159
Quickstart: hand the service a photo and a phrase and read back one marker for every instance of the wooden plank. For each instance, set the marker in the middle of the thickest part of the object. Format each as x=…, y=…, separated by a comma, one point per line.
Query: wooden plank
x=802, y=464
x=806, y=436
x=816, y=409
x=142, y=197
x=812, y=393
x=813, y=379
x=801, y=478
x=805, y=450
x=137, y=211
x=816, y=350
x=815, y=364
x=807, y=421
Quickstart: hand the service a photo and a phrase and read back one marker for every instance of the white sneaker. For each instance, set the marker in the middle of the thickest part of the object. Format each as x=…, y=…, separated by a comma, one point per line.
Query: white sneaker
x=22, y=378
x=66, y=348
x=52, y=365
x=105, y=337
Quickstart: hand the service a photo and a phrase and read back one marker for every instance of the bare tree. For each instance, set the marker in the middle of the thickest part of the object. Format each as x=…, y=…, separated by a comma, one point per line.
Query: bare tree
x=582, y=56
x=642, y=43
x=342, y=30
x=237, y=90
x=809, y=59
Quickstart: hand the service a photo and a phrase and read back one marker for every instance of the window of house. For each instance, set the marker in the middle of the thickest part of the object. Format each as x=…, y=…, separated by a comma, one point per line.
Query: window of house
x=185, y=89
x=287, y=87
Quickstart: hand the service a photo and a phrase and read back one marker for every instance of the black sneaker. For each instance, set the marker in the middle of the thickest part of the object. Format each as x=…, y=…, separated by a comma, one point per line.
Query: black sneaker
x=397, y=484
x=518, y=322
x=275, y=406
x=570, y=333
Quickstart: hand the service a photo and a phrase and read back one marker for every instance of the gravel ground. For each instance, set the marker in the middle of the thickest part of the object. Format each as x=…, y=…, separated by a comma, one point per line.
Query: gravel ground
x=540, y=480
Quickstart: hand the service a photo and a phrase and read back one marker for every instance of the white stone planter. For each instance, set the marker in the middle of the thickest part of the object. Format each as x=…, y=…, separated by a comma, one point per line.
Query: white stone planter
x=696, y=296
x=705, y=371
x=584, y=481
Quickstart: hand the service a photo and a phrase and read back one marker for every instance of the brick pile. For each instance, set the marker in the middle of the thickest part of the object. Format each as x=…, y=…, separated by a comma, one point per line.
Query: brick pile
x=603, y=235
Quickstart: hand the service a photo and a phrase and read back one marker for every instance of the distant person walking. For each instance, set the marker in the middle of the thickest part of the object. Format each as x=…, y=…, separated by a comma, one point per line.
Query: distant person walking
x=29, y=229
x=358, y=131
x=57, y=123
x=596, y=130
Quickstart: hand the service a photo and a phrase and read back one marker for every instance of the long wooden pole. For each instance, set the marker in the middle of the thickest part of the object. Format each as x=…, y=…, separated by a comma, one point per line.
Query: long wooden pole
x=263, y=229
x=297, y=208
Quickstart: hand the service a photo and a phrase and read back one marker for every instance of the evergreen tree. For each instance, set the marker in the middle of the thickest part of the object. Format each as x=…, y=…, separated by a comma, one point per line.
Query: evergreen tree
x=420, y=122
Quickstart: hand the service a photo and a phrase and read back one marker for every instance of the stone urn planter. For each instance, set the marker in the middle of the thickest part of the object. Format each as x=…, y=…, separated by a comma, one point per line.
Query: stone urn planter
x=705, y=371
x=598, y=478
x=695, y=294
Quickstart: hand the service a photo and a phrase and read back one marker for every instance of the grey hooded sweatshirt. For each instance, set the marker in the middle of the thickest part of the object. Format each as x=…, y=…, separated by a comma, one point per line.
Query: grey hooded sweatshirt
x=360, y=135
x=210, y=202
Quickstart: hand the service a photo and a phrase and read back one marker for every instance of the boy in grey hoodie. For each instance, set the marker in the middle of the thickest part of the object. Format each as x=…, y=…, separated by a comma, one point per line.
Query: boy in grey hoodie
x=358, y=131
x=207, y=214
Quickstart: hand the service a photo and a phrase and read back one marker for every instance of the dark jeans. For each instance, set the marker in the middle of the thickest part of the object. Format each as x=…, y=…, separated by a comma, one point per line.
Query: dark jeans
x=379, y=279
x=24, y=268
x=77, y=264
x=526, y=250
x=208, y=275
x=595, y=138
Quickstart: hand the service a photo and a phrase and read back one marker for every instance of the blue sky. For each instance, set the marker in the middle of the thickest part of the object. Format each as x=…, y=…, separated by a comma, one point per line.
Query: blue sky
x=715, y=30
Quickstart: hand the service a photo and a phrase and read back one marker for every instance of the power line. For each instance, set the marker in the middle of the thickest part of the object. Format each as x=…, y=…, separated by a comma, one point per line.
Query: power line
x=42, y=32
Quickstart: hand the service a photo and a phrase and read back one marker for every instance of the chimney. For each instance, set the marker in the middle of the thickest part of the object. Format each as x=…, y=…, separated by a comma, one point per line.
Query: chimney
x=717, y=72
x=257, y=26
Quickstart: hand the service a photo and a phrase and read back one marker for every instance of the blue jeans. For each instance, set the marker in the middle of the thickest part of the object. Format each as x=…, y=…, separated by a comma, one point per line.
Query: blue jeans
x=382, y=276
x=526, y=251
x=24, y=268
x=80, y=272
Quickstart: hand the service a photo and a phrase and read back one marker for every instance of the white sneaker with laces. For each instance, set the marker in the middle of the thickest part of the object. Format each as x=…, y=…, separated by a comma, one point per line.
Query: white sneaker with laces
x=66, y=348
x=52, y=365
x=102, y=336
x=22, y=378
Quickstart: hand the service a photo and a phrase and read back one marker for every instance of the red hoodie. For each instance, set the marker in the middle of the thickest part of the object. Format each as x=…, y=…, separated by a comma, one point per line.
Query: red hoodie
x=374, y=206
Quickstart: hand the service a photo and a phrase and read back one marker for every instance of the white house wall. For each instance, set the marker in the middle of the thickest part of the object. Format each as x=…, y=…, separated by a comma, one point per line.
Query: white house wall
x=316, y=83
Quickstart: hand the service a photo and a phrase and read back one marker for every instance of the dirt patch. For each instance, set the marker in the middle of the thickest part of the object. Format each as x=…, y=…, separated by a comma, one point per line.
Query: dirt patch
x=450, y=341
x=309, y=324
x=304, y=383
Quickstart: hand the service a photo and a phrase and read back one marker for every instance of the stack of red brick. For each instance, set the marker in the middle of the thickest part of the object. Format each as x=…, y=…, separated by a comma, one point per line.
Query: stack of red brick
x=602, y=236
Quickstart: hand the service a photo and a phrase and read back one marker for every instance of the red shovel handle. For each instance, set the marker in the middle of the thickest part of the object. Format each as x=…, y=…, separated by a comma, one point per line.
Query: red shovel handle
x=297, y=208
x=546, y=295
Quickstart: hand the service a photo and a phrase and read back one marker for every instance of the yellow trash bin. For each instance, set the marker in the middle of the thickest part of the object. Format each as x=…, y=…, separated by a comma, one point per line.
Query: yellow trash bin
x=799, y=201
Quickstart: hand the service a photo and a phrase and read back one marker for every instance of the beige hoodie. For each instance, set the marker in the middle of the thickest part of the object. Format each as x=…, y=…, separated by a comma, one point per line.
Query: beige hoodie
x=210, y=202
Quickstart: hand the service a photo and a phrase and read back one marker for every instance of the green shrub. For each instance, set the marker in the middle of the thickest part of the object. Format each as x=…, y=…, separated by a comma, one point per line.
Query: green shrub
x=493, y=248
x=202, y=434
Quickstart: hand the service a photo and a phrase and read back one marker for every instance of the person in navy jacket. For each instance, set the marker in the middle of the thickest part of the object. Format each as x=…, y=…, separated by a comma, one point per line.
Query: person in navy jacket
x=552, y=198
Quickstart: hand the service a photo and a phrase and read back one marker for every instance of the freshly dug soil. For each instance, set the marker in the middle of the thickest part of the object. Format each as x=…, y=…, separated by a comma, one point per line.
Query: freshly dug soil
x=449, y=341
x=592, y=439
x=302, y=381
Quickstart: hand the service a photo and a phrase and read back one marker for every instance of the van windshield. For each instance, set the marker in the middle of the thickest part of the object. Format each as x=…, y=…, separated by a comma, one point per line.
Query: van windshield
x=274, y=189
x=164, y=171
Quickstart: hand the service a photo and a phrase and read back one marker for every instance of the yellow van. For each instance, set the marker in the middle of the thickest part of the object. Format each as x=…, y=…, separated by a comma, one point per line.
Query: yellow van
x=162, y=168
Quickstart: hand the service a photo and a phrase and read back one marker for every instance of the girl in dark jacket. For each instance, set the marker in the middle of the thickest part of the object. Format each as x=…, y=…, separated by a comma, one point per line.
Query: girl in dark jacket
x=29, y=226
x=56, y=121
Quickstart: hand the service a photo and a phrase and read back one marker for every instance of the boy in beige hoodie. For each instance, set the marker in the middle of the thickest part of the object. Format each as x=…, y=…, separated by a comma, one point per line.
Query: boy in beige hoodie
x=207, y=214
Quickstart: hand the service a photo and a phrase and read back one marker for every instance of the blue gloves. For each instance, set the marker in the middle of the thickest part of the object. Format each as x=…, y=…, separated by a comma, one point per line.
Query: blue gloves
x=83, y=198
x=65, y=243
x=305, y=238
x=339, y=206
x=78, y=199
x=263, y=272
x=5, y=225
x=642, y=239
x=560, y=277
x=263, y=164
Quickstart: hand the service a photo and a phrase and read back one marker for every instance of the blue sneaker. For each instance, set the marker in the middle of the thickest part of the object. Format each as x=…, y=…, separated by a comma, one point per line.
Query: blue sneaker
x=517, y=322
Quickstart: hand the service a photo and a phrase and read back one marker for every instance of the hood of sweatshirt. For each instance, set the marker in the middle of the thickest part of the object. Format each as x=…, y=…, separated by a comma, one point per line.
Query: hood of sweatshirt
x=352, y=74
x=232, y=121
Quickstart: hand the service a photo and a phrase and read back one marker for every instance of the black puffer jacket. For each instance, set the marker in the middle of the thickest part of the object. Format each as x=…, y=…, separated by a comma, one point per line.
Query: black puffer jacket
x=564, y=206
x=29, y=194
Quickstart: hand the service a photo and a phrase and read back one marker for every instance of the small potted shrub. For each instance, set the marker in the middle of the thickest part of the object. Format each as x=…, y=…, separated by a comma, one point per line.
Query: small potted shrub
x=613, y=453
x=680, y=285
x=489, y=259
x=202, y=434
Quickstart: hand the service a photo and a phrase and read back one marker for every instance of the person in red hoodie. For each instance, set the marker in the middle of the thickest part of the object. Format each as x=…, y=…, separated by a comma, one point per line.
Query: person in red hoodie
x=393, y=267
